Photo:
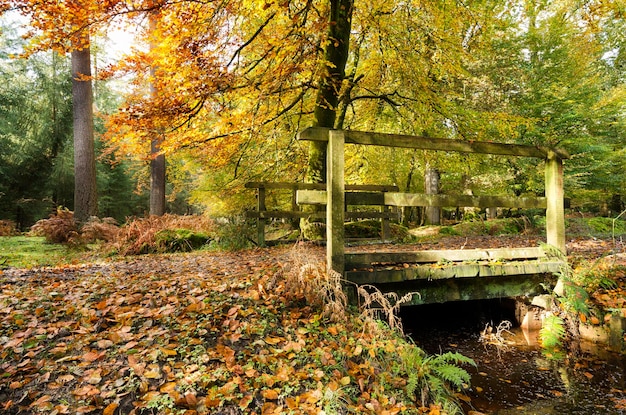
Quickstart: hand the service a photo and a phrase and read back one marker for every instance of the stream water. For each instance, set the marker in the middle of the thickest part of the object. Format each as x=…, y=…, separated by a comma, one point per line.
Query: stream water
x=516, y=378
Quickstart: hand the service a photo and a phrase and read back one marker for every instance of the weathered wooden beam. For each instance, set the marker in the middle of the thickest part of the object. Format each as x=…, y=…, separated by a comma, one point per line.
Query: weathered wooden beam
x=260, y=222
x=287, y=214
x=473, y=271
x=285, y=185
x=284, y=214
x=555, y=213
x=431, y=143
x=318, y=197
x=320, y=186
x=335, y=203
x=418, y=199
x=365, y=259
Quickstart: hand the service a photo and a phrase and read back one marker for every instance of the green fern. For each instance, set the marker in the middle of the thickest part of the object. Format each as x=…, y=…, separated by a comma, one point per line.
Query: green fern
x=552, y=333
x=435, y=378
x=452, y=374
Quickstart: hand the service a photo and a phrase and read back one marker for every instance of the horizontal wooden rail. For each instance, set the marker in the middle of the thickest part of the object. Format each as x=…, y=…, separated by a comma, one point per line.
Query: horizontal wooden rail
x=457, y=270
x=416, y=199
x=284, y=214
x=361, y=259
x=319, y=186
x=432, y=143
x=318, y=197
x=359, y=194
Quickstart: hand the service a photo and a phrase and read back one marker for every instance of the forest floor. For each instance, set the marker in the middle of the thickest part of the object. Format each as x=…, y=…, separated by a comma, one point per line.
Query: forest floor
x=213, y=332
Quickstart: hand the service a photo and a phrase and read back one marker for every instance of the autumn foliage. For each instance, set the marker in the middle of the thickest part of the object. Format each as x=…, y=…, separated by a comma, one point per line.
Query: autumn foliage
x=7, y=228
x=202, y=333
x=146, y=235
x=61, y=227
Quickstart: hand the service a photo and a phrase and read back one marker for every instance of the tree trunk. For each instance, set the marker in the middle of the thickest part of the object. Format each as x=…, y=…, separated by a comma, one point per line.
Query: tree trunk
x=335, y=59
x=85, y=193
x=157, y=161
x=327, y=100
x=157, y=180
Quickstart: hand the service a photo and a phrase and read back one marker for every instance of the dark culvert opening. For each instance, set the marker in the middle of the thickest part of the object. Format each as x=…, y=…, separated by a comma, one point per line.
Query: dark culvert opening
x=457, y=318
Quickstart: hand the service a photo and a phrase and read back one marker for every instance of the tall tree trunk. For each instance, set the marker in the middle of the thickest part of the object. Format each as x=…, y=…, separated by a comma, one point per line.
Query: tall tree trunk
x=327, y=100
x=335, y=59
x=157, y=180
x=157, y=160
x=85, y=193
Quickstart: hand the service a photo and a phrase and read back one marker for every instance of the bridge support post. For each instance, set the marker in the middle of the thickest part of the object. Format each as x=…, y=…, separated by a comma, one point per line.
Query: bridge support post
x=555, y=211
x=260, y=224
x=335, y=203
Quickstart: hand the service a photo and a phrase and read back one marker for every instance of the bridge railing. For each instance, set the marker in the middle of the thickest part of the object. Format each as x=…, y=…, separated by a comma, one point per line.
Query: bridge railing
x=356, y=195
x=335, y=192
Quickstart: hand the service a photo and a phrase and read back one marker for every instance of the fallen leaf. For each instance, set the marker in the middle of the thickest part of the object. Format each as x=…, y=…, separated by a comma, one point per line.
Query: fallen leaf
x=270, y=394
x=110, y=409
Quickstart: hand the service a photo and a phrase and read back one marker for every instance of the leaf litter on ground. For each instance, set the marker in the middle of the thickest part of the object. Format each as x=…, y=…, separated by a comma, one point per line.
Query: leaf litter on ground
x=198, y=333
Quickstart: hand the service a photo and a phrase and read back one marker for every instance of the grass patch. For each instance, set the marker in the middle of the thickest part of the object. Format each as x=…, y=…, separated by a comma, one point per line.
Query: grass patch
x=597, y=227
x=33, y=251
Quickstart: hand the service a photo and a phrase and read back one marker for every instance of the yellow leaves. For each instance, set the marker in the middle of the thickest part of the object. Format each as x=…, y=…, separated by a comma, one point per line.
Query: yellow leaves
x=273, y=340
x=270, y=394
x=110, y=409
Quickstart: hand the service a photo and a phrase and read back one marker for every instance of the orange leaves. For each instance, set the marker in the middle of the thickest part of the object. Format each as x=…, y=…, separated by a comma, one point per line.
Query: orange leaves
x=182, y=331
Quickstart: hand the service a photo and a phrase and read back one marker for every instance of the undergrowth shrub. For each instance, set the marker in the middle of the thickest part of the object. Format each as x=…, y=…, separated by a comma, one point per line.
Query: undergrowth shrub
x=232, y=234
x=372, y=228
x=149, y=234
x=60, y=227
x=8, y=228
x=180, y=240
x=435, y=378
x=551, y=335
x=425, y=380
x=306, y=278
x=96, y=229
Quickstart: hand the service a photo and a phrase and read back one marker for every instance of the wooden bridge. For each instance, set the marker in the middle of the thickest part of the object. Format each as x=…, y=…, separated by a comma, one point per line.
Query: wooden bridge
x=438, y=276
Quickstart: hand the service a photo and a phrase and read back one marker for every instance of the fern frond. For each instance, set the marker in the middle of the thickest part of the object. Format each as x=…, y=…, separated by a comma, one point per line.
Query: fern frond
x=452, y=374
x=552, y=332
x=455, y=357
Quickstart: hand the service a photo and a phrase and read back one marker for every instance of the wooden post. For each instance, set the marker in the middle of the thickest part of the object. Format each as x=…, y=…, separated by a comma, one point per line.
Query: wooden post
x=555, y=212
x=260, y=224
x=431, y=179
x=385, y=227
x=335, y=204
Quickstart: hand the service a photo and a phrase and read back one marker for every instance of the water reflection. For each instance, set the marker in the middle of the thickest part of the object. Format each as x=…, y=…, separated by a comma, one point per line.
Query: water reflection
x=516, y=378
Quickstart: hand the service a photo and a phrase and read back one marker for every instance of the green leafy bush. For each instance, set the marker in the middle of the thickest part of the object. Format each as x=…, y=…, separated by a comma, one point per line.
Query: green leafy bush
x=435, y=378
x=372, y=229
x=448, y=231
